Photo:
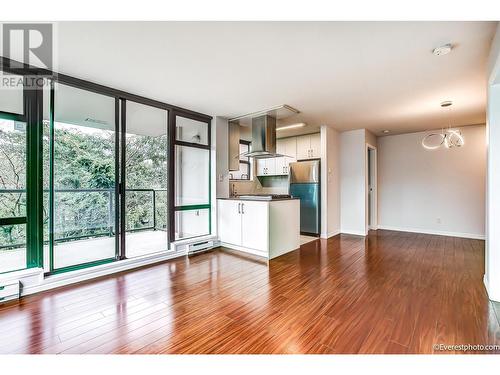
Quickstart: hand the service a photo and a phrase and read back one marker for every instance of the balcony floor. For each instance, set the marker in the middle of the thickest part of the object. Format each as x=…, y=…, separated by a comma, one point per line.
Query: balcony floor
x=89, y=250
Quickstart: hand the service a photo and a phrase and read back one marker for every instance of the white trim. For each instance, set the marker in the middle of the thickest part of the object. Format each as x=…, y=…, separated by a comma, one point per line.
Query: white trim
x=331, y=234
x=353, y=232
x=17, y=275
x=375, y=189
x=486, y=286
x=245, y=249
x=58, y=280
x=435, y=232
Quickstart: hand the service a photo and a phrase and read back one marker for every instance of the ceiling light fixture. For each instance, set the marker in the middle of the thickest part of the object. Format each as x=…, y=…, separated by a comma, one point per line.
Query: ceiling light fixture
x=385, y=131
x=442, y=50
x=448, y=138
x=293, y=126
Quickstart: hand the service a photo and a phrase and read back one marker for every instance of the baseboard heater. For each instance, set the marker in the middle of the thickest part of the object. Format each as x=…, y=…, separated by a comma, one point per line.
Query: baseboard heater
x=200, y=247
x=9, y=291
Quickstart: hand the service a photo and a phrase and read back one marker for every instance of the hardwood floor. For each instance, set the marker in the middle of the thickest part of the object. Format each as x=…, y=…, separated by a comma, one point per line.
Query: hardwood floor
x=392, y=292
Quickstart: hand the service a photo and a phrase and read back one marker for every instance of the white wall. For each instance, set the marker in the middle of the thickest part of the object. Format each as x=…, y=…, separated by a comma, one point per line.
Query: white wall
x=352, y=182
x=221, y=151
x=330, y=182
x=492, y=256
x=417, y=188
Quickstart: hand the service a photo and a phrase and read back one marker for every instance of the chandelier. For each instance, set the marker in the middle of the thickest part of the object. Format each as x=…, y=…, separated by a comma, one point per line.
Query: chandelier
x=448, y=138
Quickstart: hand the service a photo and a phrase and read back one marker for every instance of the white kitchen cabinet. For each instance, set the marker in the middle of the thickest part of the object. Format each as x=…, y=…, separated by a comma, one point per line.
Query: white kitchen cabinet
x=294, y=148
x=309, y=146
x=229, y=220
x=264, y=228
x=254, y=225
x=280, y=165
x=315, y=146
x=266, y=167
x=283, y=165
x=280, y=146
x=290, y=148
x=261, y=167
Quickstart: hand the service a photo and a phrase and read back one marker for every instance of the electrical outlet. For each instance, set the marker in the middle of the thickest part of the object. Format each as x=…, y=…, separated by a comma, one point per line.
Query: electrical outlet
x=438, y=220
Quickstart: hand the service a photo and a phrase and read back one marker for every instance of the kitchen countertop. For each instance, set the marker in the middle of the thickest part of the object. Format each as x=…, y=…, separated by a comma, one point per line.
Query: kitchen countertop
x=258, y=200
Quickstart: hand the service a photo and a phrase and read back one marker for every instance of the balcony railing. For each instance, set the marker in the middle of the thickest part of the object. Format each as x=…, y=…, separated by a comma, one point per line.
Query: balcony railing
x=98, y=218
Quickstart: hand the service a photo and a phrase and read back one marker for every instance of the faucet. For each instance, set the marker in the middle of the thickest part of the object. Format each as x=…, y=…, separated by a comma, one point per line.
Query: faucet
x=233, y=190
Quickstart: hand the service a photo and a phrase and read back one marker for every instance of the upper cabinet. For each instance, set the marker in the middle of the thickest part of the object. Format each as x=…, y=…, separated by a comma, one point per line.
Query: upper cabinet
x=287, y=147
x=309, y=146
x=294, y=148
x=266, y=167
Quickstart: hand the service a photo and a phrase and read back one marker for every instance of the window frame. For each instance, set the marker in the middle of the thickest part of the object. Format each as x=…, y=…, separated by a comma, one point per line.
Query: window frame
x=172, y=167
x=247, y=162
x=33, y=117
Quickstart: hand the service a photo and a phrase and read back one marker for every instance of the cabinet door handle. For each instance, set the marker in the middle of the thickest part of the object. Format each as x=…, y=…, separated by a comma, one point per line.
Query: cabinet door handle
x=243, y=208
x=239, y=208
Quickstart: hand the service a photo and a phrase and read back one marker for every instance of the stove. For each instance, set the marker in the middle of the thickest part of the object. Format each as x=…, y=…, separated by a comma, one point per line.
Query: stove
x=265, y=197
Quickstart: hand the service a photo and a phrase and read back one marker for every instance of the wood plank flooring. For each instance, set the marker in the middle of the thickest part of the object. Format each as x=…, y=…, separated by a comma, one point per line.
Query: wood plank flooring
x=392, y=292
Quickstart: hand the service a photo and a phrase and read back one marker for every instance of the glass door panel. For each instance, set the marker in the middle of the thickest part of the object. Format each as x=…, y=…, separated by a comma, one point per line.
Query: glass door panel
x=84, y=178
x=191, y=178
x=13, y=157
x=146, y=168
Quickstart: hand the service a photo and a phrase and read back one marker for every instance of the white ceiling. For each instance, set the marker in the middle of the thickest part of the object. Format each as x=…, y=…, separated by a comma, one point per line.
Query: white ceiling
x=348, y=75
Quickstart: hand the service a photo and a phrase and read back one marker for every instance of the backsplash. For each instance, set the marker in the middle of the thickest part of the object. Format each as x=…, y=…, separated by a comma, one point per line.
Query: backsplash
x=266, y=185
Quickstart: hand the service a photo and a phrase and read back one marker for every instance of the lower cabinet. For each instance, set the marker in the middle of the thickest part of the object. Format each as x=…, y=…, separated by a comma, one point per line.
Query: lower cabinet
x=254, y=225
x=244, y=224
x=229, y=221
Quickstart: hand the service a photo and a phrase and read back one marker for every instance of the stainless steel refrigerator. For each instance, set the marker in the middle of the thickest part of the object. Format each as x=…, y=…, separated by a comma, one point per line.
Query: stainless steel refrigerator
x=305, y=184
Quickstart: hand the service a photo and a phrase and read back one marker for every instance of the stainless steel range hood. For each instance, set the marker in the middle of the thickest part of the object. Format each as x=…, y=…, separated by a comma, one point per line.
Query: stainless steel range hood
x=263, y=138
x=263, y=125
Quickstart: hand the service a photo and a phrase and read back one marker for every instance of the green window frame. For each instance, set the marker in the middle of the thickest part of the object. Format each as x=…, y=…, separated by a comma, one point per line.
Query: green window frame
x=33, y=117
x=175, y=142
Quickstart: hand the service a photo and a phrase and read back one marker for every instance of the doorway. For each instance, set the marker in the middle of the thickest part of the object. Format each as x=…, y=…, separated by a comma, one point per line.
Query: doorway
x=371, y=188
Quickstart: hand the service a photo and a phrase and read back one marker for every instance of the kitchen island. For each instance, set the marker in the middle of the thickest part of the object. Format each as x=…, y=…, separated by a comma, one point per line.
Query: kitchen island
x=266, y=228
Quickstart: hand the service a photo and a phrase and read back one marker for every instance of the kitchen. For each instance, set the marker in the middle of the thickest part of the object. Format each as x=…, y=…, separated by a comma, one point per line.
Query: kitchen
x=273, y=202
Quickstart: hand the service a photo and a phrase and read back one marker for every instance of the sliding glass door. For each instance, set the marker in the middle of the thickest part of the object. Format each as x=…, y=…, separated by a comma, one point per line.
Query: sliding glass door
x=146, y=175
x=90, y=174
x=83, y=179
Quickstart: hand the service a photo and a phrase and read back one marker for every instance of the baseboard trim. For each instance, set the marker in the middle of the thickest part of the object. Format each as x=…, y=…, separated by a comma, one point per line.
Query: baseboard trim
x=244, y=250
x=353, y=232
x=331, y=234
x=56, y=281
x=434, y=232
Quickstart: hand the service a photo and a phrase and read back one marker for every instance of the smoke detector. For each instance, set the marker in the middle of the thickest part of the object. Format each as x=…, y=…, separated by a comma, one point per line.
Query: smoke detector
x=442, y=50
